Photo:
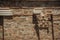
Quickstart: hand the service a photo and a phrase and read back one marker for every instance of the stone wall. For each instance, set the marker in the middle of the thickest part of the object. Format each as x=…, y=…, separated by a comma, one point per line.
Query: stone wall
x=24, y=25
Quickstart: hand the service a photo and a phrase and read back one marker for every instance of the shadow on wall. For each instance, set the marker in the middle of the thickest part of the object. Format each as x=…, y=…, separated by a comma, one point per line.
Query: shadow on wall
x=1, y=20
x=37, y=28
x=1, y=28
x=35, y=21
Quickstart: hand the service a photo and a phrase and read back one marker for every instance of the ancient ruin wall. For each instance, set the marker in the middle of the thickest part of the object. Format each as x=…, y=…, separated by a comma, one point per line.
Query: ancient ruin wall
x=24, y=25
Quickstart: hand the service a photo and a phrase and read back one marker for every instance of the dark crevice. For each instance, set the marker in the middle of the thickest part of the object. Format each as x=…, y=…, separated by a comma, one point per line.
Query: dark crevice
x=1, y=20
x=52, y=26
x=36, y=27
x=1, y=26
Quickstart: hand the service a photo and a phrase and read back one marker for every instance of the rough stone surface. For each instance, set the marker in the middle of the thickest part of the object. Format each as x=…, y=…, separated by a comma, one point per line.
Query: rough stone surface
x=21, y=26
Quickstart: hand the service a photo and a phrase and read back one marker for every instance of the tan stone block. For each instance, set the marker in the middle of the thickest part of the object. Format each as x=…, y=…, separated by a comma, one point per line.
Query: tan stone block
x=22, y=11
x=27, y=12
x=17, y=11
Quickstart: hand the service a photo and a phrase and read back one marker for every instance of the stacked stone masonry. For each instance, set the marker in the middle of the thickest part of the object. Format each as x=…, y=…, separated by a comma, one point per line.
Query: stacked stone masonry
x=20, y=26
